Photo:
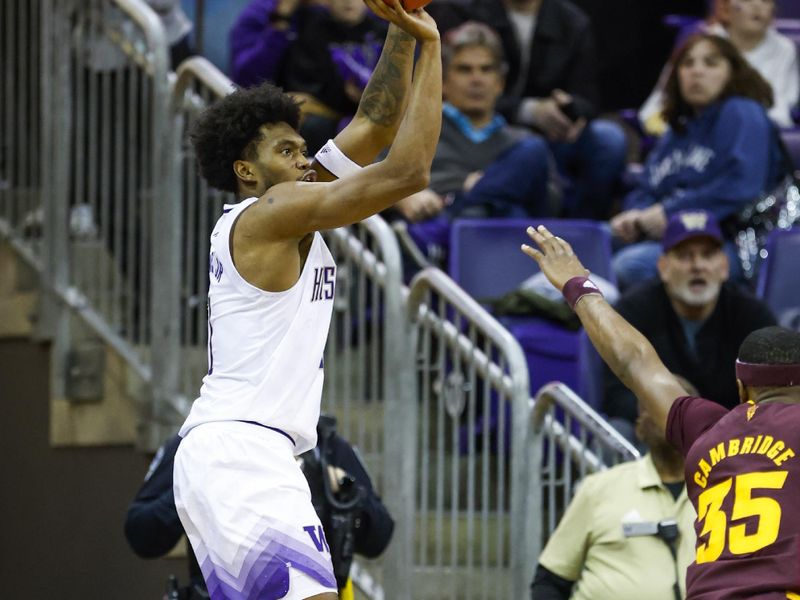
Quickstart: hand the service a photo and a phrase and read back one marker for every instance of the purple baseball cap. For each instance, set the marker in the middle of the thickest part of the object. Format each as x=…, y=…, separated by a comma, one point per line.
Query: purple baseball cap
x=690, y=224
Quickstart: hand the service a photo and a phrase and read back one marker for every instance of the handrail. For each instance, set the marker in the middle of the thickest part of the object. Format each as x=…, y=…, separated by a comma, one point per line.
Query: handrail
x=523, y=521
x=433, y=278
x=154, y=33
x=559, y=393
x=203, y=70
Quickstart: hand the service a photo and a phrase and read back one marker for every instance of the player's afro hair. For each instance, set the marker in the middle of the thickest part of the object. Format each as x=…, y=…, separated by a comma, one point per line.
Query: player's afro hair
x=224, y=132
x=771, y=346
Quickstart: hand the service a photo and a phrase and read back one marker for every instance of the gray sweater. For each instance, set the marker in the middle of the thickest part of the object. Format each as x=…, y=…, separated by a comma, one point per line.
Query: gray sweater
x=457, y=156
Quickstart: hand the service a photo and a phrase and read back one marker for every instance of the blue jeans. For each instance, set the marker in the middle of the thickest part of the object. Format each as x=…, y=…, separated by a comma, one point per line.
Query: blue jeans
x=593, y=164
x=637, y=262
x=514, y=185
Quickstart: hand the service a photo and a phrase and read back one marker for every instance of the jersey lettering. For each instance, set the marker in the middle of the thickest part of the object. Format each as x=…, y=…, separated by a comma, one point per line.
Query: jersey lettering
x=324, y=283
x=214, y=266
x=317, y=535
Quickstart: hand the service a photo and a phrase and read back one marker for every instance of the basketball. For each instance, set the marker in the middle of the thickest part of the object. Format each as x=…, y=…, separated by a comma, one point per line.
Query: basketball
x=414, y=4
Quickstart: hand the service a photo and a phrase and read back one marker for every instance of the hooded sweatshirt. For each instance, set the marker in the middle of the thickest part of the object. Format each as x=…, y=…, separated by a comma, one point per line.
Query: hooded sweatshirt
x=727, y=156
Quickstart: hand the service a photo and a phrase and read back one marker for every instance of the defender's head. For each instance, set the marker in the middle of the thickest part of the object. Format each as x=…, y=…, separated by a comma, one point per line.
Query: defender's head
x=248, y=141
x=769, y=365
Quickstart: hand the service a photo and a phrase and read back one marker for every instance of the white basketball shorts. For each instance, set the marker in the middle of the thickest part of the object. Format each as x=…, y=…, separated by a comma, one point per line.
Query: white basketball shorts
x=246, y=508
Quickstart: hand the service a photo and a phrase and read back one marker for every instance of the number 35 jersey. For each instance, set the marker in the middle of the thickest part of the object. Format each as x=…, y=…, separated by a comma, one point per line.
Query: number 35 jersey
x=265, y=348
x=743, y=478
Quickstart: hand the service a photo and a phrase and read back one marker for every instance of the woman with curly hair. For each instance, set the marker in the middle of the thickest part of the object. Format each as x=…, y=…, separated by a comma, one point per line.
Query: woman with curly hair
x=719, y=154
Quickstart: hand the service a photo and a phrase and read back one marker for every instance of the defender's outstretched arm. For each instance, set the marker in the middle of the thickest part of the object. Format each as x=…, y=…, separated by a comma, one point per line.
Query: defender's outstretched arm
x=626, y=351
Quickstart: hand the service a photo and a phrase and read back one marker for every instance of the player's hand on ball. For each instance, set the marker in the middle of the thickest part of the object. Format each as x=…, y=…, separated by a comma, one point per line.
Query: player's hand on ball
x=554, y=257
x=415, y=22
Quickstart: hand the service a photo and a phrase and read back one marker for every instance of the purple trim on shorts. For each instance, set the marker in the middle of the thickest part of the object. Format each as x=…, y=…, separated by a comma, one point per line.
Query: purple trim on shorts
x=281, y=431
x=264, y=574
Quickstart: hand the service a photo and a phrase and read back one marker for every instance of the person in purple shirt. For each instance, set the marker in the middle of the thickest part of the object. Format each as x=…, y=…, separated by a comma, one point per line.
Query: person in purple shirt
x=260, y=36
x=742, y=467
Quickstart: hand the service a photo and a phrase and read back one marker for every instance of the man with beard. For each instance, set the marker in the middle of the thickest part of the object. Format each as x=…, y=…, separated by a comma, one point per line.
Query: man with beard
x=692, y=315
x=627, y=529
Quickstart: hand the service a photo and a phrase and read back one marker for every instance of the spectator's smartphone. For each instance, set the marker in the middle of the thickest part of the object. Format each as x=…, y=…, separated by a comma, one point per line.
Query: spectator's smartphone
x=570, y=110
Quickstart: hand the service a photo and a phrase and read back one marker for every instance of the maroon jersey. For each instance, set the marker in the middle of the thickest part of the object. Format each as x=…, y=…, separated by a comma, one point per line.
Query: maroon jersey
x=743, y=478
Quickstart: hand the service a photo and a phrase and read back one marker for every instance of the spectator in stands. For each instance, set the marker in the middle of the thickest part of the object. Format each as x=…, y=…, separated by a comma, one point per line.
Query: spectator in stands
x=260, y=36
x=695, y=319
x=628, y=532
x=552, y=88
x=329, y=65
x=483, y=166
x=749, y=25
x=152, y=526
x=321, y=55
x=720, y=153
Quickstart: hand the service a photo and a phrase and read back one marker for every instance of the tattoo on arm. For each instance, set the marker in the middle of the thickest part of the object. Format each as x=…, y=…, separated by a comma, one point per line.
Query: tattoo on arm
x=384, y=97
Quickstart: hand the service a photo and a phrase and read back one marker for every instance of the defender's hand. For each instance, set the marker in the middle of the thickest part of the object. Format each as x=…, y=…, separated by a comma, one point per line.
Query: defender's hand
x=555, y=257
x=417, y=22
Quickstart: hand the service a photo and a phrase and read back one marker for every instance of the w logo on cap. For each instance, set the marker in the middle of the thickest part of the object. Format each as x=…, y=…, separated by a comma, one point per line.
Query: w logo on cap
x=694, y=221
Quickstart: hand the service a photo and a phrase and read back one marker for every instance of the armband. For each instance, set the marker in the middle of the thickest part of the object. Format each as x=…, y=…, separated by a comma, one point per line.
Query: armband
x=578, y=287
x=333, y=159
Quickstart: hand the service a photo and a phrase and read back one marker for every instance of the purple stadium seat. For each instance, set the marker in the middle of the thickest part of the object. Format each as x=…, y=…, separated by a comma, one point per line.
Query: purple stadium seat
x=486, y=261
x=777, y=283
x=787, y=9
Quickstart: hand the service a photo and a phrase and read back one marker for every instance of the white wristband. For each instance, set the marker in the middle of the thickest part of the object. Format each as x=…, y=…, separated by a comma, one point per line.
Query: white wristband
x=333, y=159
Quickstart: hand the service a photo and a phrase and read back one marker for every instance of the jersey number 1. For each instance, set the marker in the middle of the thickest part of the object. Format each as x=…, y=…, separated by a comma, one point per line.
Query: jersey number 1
x=766, y=510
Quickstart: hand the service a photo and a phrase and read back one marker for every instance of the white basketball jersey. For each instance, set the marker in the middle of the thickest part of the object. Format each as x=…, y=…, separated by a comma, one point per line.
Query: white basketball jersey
x=265, y=348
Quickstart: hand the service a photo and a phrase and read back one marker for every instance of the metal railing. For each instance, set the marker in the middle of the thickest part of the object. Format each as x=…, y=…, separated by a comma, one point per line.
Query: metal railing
x=369, y=380
x=26, y=126
x=571, y=440
x=474, y=447
x=88, y=81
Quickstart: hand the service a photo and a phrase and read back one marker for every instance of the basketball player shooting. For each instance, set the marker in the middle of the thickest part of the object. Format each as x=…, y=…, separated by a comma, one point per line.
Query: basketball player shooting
x=240, y=494
x=742, y=470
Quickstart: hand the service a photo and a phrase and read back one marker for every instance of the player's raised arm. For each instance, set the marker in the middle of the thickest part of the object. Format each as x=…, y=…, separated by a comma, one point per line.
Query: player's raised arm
x=382, y=103
x=292, y=209
x=626, y=351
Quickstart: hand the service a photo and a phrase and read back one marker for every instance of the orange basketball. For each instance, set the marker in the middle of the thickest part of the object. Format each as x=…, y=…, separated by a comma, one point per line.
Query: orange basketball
x=413, y=4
